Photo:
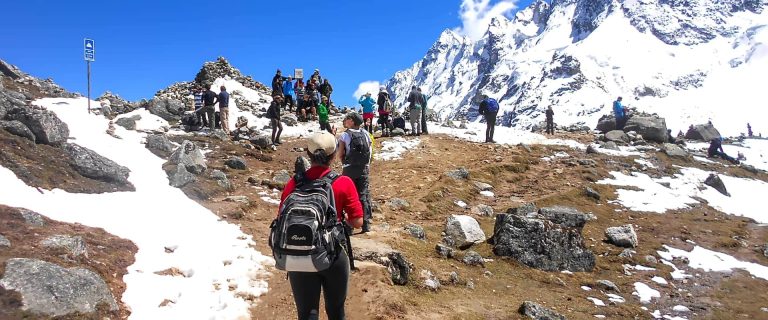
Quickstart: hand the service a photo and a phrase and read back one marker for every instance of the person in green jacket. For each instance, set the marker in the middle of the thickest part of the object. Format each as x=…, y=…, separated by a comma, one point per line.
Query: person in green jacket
x=322, y=114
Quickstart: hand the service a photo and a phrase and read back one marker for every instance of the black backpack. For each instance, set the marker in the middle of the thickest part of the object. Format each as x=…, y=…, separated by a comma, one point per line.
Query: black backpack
x=306, y=236
x=359, y=149
x=190, y=122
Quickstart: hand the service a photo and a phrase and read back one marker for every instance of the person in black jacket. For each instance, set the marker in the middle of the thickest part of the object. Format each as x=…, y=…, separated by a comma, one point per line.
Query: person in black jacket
x=550, y=120
x=716, y=150
x=489, y=108
x=209, y=100
x=273, y=113
x=277, y=84
x=307, y=107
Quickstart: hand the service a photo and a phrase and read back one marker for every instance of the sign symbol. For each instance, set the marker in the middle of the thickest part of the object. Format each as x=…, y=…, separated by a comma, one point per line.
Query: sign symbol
x=90, y=50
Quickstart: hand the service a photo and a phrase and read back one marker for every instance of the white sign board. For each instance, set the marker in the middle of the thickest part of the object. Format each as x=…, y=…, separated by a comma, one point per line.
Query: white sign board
x=90, y=50
x=298, y=73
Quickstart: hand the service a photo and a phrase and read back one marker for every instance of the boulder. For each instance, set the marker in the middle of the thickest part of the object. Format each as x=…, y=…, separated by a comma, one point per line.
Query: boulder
x=473, y=258
x=261, y=141
x=537, y=312
x=416, y=231
x=44, y=124
x=446, y=251
x=168, y=109
x=190, y=157
x=567, y=217
x=281, y=178
x=674, y=150
x=606, y=123
x=396, y=132
x=128, y=123
x=428, y=280
x=236, y=163
x=32, y=218
x=221, y=179
x=541, y=244
x=93, y=165
x=606, y=285
x=524, y=210
x=702, y=132
x=650, y=127
x=180, y=177
x=219, y=135
x=398, y=204
x=592, y=193
x=591, y=149
x=52, y=290
x=715, y=182
x=610, y=145
x=464, y=231
x=617, y=136
x=75, y=246
x=623, y=236
x=458, y=174
x=4, y=242
x=482, y=210
x=17, y=128
x=399, y=268
x=159, y=145
x=290, y=120
x=482, y=186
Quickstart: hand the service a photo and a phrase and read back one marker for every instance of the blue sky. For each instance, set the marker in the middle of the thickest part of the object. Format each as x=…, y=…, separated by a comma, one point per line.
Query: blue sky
x=144, y=46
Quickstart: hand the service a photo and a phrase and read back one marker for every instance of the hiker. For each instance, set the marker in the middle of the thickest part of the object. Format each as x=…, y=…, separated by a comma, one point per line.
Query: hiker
x=415, y=103
x=312, y=90
x=716, y=150
x=334, y=280
x=307, y=107
x=199, y=111
x=277, y=83
x=489, y=107
x=355, y=154
x=299, y=91
x=322, y=114
x=398, y=122
x=326, y=89
x=550, y=120
x=209, y=101
x=367, y=103
x=224, y=109
x=316, y=76
x=749, y=130
x=288, y=93
x=273, y=114
x=424, y=113
x=620, y=112
x=385, y=107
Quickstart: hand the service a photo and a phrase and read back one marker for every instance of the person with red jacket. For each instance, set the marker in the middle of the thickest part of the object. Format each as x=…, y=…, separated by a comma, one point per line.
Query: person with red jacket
x=306, y=286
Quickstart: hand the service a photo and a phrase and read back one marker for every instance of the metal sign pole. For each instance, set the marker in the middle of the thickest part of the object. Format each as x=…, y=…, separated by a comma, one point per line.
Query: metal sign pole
x=88, y=62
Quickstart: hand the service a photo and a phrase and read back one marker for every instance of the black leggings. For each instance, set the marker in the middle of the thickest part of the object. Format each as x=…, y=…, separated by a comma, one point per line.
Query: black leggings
x=334, y=282
x=490, y=125
x=277, y=130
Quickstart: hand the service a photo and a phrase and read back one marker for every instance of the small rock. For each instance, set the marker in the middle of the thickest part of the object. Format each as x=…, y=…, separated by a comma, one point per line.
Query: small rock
x=454, y=277
x=398, y=204
x=607, y=285
x=482, y=210
x=416, y=231
x=627, y=253
x=220, y=135
x=32, y=218
x=525, y=147
x=617, y=136
x=651, y=259
x=473, y=258
x=444, y=250
x=591, y=149
x=180, y=177
x=236, y=163
x=240, y=199
x=4, y=242
x=587, y=162
x=765, y=250
x=470, y=285
x=715, y=182
x=523, y=210
x=610, y=145
x=482, y=186
x=399, y=268
x=487, y=273
x=623, y=236
x=221, y=179
x=429, y=280
x=537, y=312
x=281, y=178
x=464, y=230
x=592, y=193
x=458, y=174
x=750, y=168
x=674, y=150
x=74, y=245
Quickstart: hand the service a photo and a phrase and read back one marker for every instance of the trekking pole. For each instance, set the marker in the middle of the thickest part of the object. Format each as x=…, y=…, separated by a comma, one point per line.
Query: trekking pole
x=347, y=234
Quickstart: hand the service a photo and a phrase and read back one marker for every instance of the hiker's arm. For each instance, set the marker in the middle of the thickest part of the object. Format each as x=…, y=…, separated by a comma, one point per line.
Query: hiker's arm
x=342, y=150
x=353, y=209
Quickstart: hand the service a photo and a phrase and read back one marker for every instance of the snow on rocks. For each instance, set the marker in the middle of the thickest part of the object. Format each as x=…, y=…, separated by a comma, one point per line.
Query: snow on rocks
x=708, y=260
x=645, y=293
x=395, y=148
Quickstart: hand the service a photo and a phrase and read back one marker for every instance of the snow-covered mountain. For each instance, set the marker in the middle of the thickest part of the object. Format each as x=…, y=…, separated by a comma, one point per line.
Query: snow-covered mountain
x=688, y=60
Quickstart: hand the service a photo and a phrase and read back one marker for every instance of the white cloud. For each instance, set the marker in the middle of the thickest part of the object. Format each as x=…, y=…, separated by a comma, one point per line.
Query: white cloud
x=476, y=15
x=366, y=86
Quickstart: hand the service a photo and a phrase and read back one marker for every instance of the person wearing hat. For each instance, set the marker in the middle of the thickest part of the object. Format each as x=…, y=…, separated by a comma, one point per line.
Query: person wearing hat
x=355, y=149
x=367, y=103
x=385, y=107
x=334, y=281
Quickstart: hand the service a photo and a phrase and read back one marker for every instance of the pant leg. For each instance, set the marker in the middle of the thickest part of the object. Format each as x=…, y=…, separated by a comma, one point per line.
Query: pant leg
x=413, y=120
x=424, y=120
x=362, y=181
x=224, y=112
x=211, y=117
x=335, y=287
x=306, y=293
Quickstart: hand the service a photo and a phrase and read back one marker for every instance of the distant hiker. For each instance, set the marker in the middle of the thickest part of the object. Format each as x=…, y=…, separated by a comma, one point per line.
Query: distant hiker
x=313, y=90
x=620, y=112
x=316, y=76
x=288, y=94
x=749, y=130
x=415, y=103
x=299, y=90
x=550, y=120
x=385, y=107
x=367, y=103
x=307, y=107
x=306, y=279
x=209, y=101
x=424, y=112
x=355, y=153
x=398, y=121
x=199, y=111
x=489, y=107
x=716, y=150
x=326, y=89
x=273, y=114
x=277, y=83
x=322, y=114
x=224, y=109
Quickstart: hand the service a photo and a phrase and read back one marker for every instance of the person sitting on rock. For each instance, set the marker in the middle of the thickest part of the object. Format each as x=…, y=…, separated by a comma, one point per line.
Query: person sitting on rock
x=307, y=107
x=716, y=150
x=398, y=121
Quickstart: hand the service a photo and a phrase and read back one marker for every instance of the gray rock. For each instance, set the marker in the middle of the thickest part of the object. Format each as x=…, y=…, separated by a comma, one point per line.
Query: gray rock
x=749, y=168
x=523, y=210
x=95, y=166
x=567, y=217
x=128, y=123
x=458, y=174
x=537, y=312
x=473, y=258
x=219, y=135
x=282, y=177
x=429, y=280
x=765, y=250
x=627, y=253
x=240, y=199
x=587, y=162
x=74, y=245
x=168, y=109
x=592, y=193
x=482, y=210
x=396, y=132
x=4, y=242
x=715, y=182
x=444, y=250
x=159, y=145
x=482, y=186
x=623, y=236
x=49, y=289
x=399, y=268
x=606, y=123
x=651, y=259
x=416, y=231
x=610, y=145
x=44, y=124
x=454, y=276
x=221, y=179
x=702, y=132
x=180, y=177
x=261, y=141
x=650, y=127
x=617, y=136
x=541, y=244
x=236, y=163
x=189, y=156
x=464, y=231
x=32, y=218
x=398, y=204
x=290, y=119
x=607, y=285
x=591, y=149
x=674, y=150
x=17, y=128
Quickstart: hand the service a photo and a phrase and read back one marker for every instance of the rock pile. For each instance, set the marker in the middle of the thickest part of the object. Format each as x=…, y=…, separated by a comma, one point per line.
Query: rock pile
x=650, y=127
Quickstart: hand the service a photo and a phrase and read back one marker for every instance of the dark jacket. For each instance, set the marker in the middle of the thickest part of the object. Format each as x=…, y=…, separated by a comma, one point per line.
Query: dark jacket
x=399, y=122
x=304, y=104
x=550, y=114
x=209, y=98
x=273, y=112
x=223, y=99
x=326, y=89
x=277, y=84
x=415, y=98
x=714, y=146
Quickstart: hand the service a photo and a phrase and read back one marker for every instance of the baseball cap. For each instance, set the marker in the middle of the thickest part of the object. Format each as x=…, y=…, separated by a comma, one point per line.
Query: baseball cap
x=322, y=141
x=356, y=118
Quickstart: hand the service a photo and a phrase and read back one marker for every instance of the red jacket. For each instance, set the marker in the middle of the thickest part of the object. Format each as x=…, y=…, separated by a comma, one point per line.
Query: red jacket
x=344, y=192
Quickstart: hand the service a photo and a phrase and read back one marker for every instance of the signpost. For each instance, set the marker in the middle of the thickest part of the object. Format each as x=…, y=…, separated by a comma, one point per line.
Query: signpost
x=90, y=55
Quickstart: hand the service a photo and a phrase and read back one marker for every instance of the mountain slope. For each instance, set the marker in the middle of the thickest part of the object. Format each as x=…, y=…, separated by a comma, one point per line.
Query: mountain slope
x=676, y=58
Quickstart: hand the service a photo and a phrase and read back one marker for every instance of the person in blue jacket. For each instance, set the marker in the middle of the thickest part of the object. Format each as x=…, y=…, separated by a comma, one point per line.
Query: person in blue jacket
x=368, y=108
x=620, y=112
x=288, y=93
